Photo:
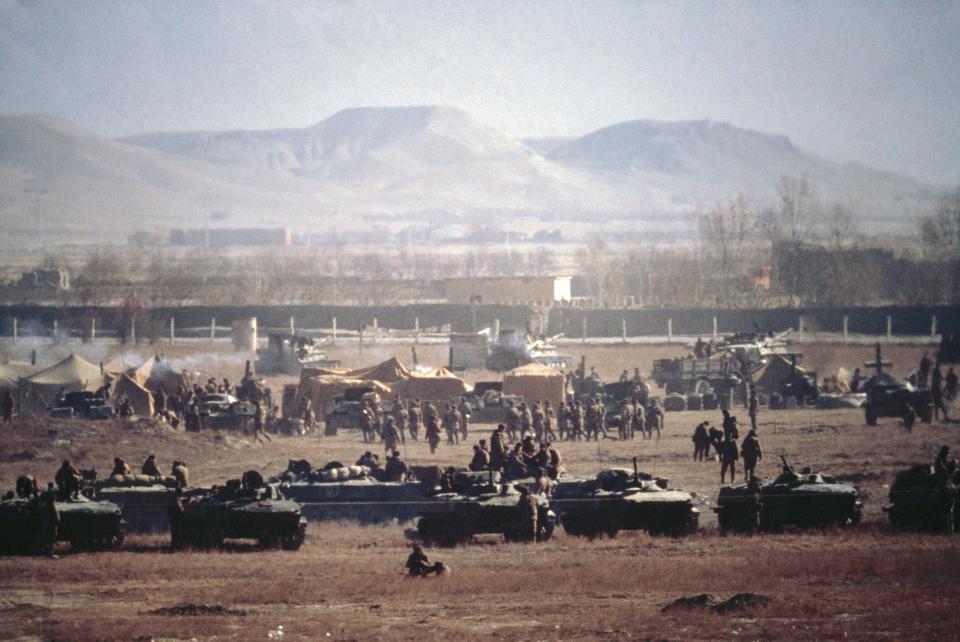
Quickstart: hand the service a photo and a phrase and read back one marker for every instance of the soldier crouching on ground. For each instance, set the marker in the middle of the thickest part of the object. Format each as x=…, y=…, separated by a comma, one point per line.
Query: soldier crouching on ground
x=418, y=564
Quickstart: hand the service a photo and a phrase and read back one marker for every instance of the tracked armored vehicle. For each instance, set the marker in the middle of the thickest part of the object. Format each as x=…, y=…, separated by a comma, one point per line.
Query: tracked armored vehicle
x=90, y=524
x=451, y=518
x=206, y=518
x=919, y=501
x=804, y=500
x=144, y=500
x=618, y=499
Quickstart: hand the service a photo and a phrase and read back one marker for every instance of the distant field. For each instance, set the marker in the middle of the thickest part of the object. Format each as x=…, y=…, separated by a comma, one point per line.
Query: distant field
x=866, y=583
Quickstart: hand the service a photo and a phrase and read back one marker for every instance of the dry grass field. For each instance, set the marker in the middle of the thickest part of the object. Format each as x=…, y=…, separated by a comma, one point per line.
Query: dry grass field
x=347, y=581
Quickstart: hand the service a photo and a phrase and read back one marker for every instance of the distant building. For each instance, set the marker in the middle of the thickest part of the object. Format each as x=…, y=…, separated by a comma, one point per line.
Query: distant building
x=545, y=290
x=45, y=279
x=232, y=237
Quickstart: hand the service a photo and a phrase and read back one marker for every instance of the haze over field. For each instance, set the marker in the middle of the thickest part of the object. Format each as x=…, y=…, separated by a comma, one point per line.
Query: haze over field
x=298, y=114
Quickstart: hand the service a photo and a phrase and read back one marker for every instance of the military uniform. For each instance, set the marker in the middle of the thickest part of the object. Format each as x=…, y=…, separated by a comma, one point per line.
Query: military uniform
x=433, y=433
x=528, y=515
x=751, y=452
x=413, y=421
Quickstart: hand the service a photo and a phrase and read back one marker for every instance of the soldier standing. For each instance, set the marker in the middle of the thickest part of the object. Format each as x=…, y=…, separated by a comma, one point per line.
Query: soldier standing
x=563, y=420
x=923, y=370
x=413, y=421
x=68, y=480
x=464, y=409
x=730, y=427
x=751, y=452
x=950, y=384
x=433, y=433
x=753, y=407
x=701, y=441
x=528, y=514
x=577, y=422
x=526, y=419
x=728, y=458
x=655, y=421
x=400, y=417
x=498, y=448
x=626, y=419
x=537, y=418
x=513, y=422
x=366, y=423
x=936, y=391
x=6, y=406
x=639, y=420
x=391, y=436
x=548, y=421
x=49, y=522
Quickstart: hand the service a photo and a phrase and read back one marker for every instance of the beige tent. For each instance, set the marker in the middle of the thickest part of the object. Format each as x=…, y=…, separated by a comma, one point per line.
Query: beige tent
x=535, y=382
x=438, y=384
x=388, y=372
x=322, y=390
x=116, y=367
x=74, y=373
x=141, y=399
x=774, y=374
x=11, y=373
x=156, y=372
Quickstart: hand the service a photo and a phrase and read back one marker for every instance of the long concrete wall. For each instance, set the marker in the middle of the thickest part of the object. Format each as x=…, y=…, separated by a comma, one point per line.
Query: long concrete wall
x=905, y=320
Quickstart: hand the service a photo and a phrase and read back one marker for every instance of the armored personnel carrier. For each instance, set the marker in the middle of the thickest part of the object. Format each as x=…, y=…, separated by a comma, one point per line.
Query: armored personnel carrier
x=888, y=397
x=235, y=511
x=451, y=518
x=619, y=499
x=805, y=500
x=90, y=524
x=918, y=501
x=20, y=526
x=144, y=500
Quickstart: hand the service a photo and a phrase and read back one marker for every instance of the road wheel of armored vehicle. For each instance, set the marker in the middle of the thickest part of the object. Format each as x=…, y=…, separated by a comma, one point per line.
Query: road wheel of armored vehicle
x=588, y=524
x=446, y=530
x=736, y=521
x=547, y=528
x=292, y=541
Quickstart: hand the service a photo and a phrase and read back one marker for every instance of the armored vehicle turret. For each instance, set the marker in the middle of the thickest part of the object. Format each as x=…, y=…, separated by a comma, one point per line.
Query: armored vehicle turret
x=480, y=507
x=920, y=501
x=236, y=511
x=805, y=499
x=618, y=499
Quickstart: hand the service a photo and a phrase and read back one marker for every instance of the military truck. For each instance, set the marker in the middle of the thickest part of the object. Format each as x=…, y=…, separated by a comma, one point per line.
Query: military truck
x=889, y=397
x=205, y=518
x=618, y=499
x=805, y=500
x=345, y=410
x=919, y=501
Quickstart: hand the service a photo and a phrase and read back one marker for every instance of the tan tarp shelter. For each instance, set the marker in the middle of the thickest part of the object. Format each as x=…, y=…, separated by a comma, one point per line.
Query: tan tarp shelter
x=156, y=372
x=774, y=374
x=388, y=372
x=438, y=384
x=141, y=399
x=322, y=390
x=74, y=373
x=116, y=367
x=535, y=382
x=11, y=374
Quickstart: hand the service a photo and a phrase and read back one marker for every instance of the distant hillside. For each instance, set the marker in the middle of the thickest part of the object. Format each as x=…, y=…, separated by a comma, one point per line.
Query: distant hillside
x=406, y=162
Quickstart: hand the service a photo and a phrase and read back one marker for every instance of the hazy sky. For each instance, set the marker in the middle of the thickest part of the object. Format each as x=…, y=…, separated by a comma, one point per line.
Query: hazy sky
x=877, y=82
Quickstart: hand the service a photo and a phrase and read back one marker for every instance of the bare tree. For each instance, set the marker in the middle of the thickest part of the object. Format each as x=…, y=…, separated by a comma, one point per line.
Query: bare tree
x=940, y=231
x=724, y=232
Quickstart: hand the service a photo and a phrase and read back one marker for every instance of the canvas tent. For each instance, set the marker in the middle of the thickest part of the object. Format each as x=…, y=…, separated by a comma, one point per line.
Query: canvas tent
x=771, y=376
x=11, y=374
x=438, y=384
x=115, y=367
x=74, y=373
x=535, y=382
x=388, y=372
x=324, y=389
x=141, y=399
x=156, y=372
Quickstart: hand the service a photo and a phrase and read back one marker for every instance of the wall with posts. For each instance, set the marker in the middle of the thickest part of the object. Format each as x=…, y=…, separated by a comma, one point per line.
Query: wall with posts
x=632, y=322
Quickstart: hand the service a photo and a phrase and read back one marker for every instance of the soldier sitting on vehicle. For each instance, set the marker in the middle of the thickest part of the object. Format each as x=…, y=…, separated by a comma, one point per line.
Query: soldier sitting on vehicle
x=68, y=480
x=150, y=467
x=481, y=459
x=26, y=486
x=369, y=460
x=181, y=474
x=120, y=467
x=395, y=469
x=418, y=564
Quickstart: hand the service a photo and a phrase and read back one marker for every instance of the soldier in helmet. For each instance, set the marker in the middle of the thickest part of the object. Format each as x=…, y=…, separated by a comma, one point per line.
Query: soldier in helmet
x=498, y=448
x=549, y=421
x=728, y=458
x=120, y=467
x=401, y=417
x=418, y=564
x=413, y=419
x=512, y=422
x=391, y=435
x=752, y=453
x=68, y=480
x=49, y=522
x=433, y=432
x=150, y=467
x=536, y=423
x=528, y=514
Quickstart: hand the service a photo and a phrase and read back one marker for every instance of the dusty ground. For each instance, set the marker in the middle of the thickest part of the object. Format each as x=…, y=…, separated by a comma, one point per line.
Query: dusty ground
x=346, y=582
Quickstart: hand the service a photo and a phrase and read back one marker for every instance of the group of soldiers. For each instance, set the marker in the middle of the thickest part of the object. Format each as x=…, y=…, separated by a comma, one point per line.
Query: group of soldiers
x=726, y=447
x=942, y=387
x=409, y=418
x=528, y=457
x=178, y=470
